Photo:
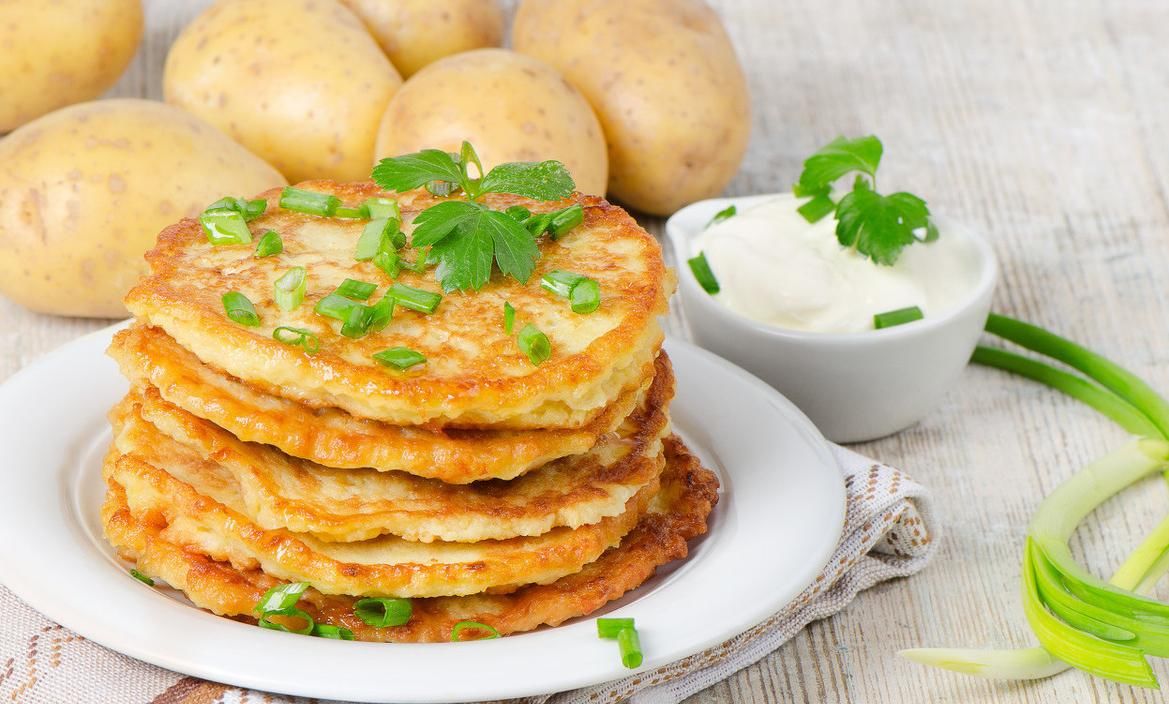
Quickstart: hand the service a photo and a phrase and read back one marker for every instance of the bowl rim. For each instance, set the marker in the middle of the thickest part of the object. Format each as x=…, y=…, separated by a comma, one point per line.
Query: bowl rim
x=680, y=237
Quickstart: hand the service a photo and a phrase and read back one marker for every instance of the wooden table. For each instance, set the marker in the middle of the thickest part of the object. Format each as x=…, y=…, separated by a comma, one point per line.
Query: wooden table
x=1043, y=123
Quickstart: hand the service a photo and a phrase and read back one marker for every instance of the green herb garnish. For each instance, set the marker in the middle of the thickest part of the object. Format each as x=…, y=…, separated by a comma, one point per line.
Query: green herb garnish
x=382, y=612
x=269, y=244
x=356, y=290
x=240, y=309
x=900, y=316
x=325, y=630
x=311, y=202
x=224, y=226
x=702, y=273
x=297, y=337
x=400, y=358
x=728, y=212
x=141, y=577
x=415, y=298
x=457, y=631
x=583, y=293
x=465, y=236
x=508, y=317
x=534, y=344
x=878, y=227
x=289, y=289
x=608, y=628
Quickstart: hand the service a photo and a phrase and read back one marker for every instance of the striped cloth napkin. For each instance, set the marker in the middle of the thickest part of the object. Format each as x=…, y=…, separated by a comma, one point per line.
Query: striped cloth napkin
x=889, y=532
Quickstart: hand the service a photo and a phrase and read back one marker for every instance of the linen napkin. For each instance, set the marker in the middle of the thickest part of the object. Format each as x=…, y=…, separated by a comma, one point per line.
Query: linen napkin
x=889, y=532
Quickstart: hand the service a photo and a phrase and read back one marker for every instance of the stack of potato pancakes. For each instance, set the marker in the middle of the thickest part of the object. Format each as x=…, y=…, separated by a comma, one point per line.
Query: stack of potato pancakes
x=480, y=485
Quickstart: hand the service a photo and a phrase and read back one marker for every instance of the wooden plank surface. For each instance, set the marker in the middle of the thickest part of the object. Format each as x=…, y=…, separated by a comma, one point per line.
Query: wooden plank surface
x=1043, y=123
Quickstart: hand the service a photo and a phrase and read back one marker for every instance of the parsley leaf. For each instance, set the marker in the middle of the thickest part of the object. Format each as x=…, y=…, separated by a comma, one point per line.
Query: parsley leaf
x=403, y=173
x=515, y=248
x=464, y=257
x=878, y=226
x=438, y=221
x=839, y=157
x=544, y=180
x=467, y=237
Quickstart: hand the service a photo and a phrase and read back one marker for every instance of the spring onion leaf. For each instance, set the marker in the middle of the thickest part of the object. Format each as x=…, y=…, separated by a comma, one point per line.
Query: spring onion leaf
x=728, y=212
x=310, y=202
x=325, y=630
x=297, y=337
x=389, y=262
x=290, y=612
x=282, y=596
x=380, y=314
x=357, y=322
x=608, y=628
x=335, y=306
x=457, y=631
x=380, y=208
x=356, y=290
x=508, y=317
x=375, y=237
x=562, y=221
x=701, y=270
x=141, y=577
x=225, y=227
x=415, y=298
x=400, y=358
x=383, y=612
x=893, y=318
x=249, y=209
x=289, y=289
x=817, y=208
x=269, y=244
x=534, y=344
x=342, y=211
x=240, y=309
x=629, y=645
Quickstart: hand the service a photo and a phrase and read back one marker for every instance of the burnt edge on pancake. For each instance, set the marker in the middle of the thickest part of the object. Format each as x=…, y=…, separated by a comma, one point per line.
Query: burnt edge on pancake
x=658, y=538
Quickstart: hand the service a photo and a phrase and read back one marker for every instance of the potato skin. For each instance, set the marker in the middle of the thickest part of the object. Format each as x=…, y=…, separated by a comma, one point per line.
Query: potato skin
x=59, y=53
x=664, y=80
x=300, y=83
x=414, y=33
x=85, y=190
x=511, y=107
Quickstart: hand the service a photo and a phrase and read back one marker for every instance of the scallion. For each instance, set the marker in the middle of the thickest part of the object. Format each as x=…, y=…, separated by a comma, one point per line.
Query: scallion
x=249, y=209
x=508, y=317
x=380, y=208
x=224, y=227
x=893, y=318
x=415, y=298
x=291, y=612
x=326, y=630
x=389, y=262
x=310, y=202
x=728, y=212
x=240, y=309
x=564, y=220
x=400, y=358
x=585, y=297
x=356, y=290
x=701, y=269
x=335, y=306
x=518, y=213
x=375, y=237
x=608, y=628
x=269, y=244
x=141, y=577
x=289, y=289
x=282, y=596
x=382, y=612
x=297, y=337
x=817, y=208
x=380, y=314
x=534, y=344
x=560, y=282
x=357, y=321
x=350, y=213
x=456, y=632
x=629, y=645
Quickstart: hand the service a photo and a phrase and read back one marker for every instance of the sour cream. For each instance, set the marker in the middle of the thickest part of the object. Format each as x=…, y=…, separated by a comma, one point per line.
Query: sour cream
x=775, y=267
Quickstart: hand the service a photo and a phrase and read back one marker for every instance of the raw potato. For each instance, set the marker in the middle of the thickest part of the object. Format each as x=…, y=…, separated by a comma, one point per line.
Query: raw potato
x=414, y=33
x=301, y=84
x=54, y=54
x=511, y=107
x=664, y=80
x=85, y=190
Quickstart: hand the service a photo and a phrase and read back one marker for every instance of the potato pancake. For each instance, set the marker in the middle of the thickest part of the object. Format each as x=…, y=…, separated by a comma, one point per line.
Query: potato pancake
x=677, y=514
x=346, y=505
x=475, y=375
x=335, y=438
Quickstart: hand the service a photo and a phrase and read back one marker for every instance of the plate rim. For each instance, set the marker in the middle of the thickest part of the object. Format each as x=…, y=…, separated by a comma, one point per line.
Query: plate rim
x=565, y=679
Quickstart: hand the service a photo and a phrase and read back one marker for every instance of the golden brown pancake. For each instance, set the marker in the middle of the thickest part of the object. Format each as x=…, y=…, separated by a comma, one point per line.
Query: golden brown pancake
x=334, y=438
x=678, y=513
x=276, y=491
x=475, y=375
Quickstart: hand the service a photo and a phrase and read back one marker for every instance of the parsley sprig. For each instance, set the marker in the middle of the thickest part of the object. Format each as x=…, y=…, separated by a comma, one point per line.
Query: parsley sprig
x=876, y=226
x=466, y=238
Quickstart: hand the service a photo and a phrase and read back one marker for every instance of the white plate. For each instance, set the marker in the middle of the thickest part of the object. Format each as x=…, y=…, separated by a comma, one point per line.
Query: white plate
x=779, y=518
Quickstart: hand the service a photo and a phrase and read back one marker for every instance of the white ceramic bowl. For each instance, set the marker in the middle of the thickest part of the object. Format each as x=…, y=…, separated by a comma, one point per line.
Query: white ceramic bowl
x=854, y=386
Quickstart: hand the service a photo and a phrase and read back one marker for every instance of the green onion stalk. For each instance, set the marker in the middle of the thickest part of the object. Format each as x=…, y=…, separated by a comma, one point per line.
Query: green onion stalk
x=1104, y=628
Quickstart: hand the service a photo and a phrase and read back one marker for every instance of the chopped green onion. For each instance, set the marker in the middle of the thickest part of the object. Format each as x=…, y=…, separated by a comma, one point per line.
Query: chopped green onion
x=225, y=227
x=389, y=262
x=380, y=314
x=297, y=337
x=400, y=358
x=703, y=274
x=415, y=298
x=473, y=626
x=269, y=244
x=282, y=596
x=534, y=344
x=518, y=213
x=249, y=209
x=379, y=235
x=383, y=612
x=538, y=224
x=629, y=645
x=326, y=630
x=290, y=612
x=347, y=212
x=380, y=208
x=608, y=628
x=817, y=208
x=564, y=220
x=289, y=289
x=585, y=297
x=508, y=317
x=310, y=202
x=357, y=321
x=728, y=212
x=419, y=264
x=356, y=290
x=335, y=306
x=141, y=577
x=441, y=189
x=560, y=282
x=897, y=317
x=240, y=309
